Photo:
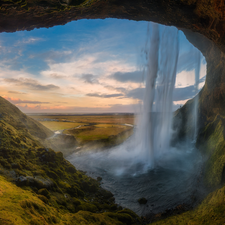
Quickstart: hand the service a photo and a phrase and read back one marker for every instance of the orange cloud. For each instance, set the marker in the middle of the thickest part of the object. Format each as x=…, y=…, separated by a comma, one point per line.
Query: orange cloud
x=18, y=101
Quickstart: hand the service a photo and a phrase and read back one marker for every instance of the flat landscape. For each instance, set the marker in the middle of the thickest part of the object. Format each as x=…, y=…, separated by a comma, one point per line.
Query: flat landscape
x=110, y=129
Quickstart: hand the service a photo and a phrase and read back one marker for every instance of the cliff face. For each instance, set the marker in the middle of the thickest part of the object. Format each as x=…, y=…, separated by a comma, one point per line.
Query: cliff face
x=204, y=17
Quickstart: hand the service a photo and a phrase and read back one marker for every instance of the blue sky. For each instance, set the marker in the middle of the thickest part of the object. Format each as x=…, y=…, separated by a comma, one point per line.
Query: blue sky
x=83, y=66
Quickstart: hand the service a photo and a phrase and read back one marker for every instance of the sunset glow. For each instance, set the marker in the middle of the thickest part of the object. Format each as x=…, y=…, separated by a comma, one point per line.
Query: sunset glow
x=85, y=66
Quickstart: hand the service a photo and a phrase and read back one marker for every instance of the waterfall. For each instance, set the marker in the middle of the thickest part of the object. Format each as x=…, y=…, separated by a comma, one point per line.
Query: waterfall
x=155, y=128
x=196, y=89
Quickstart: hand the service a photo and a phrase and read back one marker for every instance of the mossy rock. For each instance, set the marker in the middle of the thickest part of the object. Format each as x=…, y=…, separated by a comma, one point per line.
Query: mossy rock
x=122, y=217
x=87, y=207
x=44, y=192
x=43, y=198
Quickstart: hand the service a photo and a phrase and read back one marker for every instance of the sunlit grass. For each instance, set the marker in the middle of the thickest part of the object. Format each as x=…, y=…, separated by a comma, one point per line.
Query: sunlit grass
x=113, y=119
x=97, y=132
x=88, y=128
x=58, y=125
x=114, y=126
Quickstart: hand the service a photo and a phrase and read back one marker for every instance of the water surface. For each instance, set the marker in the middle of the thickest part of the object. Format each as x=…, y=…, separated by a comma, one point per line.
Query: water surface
x=170, y=183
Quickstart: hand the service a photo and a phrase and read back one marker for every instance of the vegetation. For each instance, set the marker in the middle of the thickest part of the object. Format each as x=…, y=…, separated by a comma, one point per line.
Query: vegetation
x=58, y=125
x=93, y=133
x=212, y=144
x=38, y=186
x=96, y=119
x=100, y=131
x=210, y=211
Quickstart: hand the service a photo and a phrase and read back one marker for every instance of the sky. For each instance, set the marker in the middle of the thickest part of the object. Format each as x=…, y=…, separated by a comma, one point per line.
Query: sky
x=85, y=66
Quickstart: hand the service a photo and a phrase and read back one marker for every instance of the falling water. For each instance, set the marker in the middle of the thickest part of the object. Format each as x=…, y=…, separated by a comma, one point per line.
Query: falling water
x=145, y=165
x=155, y=130
x=196, y=87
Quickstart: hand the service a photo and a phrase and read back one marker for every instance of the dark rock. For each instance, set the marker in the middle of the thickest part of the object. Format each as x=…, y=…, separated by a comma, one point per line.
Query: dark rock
x=142, y=201
x=43, y=198
x=44, y=192
x=38, y=182
x=99, y=179
x=16, y=166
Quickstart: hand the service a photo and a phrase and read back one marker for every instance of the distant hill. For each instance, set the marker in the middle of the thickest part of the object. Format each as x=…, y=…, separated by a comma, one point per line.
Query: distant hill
x=16, y=118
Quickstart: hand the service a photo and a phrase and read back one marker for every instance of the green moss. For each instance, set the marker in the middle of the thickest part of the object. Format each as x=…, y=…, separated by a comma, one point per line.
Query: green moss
x=213, y=147
x=210, y=211
x=49, y=188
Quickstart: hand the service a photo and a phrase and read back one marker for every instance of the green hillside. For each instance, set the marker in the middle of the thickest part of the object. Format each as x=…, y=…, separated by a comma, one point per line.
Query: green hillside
x=38, y=186
x=13, y=116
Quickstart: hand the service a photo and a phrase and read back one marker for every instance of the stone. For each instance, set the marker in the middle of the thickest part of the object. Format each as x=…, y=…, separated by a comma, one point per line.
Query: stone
x=142, y=201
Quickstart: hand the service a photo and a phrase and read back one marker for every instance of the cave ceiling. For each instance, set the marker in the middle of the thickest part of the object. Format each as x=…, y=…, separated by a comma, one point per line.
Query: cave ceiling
x=206, y=17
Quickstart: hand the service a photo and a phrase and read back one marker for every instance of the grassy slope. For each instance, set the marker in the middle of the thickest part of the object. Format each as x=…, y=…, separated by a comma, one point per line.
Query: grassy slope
x=214, y=148
x=21, y=207
x=15, y=117
x=49, y=189
x=211, y=212
x=72, y=197
x=211, y=143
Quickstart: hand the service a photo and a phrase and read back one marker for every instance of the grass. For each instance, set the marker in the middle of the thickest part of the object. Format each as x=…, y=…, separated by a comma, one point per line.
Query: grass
x=54, y=125
x=209, y=212
x=101, y=128
x=97, y=132
x=38, y=186
x=24, y=207
x=97, y=119
x=212, y=145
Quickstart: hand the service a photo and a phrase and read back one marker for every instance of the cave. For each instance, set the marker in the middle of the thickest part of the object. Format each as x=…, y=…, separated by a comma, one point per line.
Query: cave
x=203, y=23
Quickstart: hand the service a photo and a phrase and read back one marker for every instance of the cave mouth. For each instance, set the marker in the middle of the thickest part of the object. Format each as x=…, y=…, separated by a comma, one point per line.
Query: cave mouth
x=92, y=60
x=163, y=176
x=167, y=179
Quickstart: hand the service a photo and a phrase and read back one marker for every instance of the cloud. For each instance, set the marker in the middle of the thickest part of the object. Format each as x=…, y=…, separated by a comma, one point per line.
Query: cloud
x=183, y=93
x=89, y=78
x=57, y=76
x=29, y=40
x=116, y=108
x=52, y=55
x=136, y=93
x=104, y=95
x=119, y=89
x=179, y=94
x=135, y=76
x=17, y=92
x=19, y=101
x=31, y=84
x=123, y=108
x=188, y=61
